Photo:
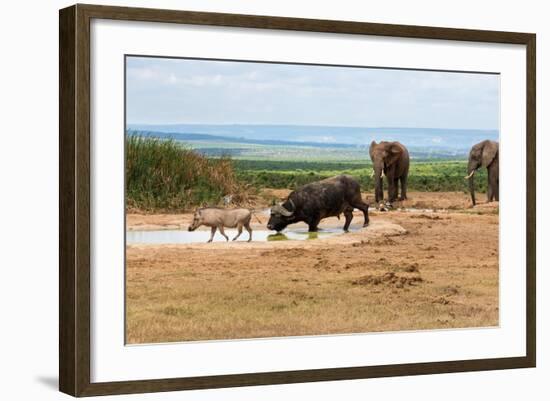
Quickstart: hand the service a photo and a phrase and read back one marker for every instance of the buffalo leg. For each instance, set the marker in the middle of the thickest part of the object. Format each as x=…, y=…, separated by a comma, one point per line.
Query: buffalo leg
x=313, y=223
x=212, y=232
x=348, y=214
x=223, y=233
x=239, y=231
x=249, y=229
x=362, y=206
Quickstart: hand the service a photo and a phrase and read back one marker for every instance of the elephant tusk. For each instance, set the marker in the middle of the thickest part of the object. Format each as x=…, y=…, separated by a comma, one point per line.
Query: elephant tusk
x=372, y=173
x=470, y=175
x=382, y=175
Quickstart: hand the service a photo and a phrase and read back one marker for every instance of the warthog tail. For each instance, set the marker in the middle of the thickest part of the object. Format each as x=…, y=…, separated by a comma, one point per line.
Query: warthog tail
x=253, y=212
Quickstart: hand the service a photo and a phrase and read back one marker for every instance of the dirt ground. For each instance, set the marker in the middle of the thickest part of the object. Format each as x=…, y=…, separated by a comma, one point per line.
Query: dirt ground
x=431, y=263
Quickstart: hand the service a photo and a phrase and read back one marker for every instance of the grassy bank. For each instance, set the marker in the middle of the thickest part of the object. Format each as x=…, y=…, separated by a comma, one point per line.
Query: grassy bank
x=162, y=174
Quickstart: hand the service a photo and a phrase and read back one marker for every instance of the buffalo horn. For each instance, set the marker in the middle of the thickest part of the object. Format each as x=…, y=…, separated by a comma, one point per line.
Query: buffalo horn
x=280, y=209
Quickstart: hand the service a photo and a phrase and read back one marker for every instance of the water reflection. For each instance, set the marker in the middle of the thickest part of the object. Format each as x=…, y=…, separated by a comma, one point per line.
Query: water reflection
x=186, y=237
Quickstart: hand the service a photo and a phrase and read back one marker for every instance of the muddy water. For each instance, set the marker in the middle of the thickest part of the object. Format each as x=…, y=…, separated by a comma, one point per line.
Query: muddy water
x=186, y=237
x=411, y=210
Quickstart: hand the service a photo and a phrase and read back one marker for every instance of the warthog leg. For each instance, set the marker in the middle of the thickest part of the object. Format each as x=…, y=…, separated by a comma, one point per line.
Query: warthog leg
x=212, y=232
x=223, y=233
x=239, y=231
x=247, y=226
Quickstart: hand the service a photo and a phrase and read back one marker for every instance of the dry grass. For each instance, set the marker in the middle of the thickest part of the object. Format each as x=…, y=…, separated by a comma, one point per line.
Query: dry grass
x=443, y=274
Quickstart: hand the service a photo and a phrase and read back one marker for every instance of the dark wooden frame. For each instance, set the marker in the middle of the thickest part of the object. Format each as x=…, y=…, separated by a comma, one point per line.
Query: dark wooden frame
x=74, y=199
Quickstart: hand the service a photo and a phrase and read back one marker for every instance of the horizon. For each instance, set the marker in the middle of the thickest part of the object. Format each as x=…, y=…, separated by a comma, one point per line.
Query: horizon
x=312, y=125
x=236, y=136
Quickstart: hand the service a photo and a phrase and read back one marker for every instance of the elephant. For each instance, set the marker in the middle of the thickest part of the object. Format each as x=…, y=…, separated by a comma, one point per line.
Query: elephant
x=484, y=154
x=390, y=159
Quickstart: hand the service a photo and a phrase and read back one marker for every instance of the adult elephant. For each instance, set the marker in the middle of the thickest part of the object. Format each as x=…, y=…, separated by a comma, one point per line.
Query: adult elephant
x=390, y=159
x=484, y=154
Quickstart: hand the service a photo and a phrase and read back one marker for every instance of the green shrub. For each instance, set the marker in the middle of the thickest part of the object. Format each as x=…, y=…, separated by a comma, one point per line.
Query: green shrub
x=161, y=174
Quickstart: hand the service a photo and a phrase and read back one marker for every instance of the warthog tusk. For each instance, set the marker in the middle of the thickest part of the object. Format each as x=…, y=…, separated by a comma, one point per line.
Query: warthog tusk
x=471, y=174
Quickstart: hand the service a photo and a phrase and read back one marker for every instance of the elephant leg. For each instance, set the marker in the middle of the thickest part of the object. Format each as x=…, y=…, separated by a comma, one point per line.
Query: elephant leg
x=392, y=189
x=493, y=182
x=490, y=184
x=348, y=214
x=403, y=180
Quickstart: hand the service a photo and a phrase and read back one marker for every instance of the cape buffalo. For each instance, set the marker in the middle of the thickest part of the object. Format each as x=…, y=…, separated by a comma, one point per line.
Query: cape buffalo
x=313, y=202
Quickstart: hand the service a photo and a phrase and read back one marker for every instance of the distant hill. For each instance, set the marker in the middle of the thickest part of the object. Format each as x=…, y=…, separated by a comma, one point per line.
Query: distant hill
x=227, y=139
x=457, y=140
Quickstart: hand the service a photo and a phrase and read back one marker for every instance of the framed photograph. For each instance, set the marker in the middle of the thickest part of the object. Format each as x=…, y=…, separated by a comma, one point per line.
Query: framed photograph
x=249, y=200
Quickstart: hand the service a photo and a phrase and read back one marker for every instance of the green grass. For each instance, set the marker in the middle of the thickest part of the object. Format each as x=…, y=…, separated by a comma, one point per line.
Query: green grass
x=162, y=174
x=425, y=175
x=167, y=175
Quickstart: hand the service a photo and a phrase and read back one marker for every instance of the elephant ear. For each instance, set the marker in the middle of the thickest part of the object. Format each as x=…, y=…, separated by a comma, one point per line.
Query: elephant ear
x=394, y=153
x=373, y=145
x=490, y=150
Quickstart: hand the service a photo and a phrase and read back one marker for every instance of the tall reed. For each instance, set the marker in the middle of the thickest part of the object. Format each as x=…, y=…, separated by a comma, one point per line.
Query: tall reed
x=163, y=174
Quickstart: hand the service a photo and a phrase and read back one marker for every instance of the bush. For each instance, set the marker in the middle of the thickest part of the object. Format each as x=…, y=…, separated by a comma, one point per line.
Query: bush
x=161, y=174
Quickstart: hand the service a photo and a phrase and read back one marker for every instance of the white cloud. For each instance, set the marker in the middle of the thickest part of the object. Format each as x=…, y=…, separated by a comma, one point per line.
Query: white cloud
x=180, y=90
x=142, y=73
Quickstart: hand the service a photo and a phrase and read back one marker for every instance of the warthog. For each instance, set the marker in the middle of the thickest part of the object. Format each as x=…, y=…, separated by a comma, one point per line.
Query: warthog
x=218, y=218
x=315, y=201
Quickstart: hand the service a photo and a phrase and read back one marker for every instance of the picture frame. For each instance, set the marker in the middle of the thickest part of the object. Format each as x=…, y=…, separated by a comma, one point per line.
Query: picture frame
x=75, y=200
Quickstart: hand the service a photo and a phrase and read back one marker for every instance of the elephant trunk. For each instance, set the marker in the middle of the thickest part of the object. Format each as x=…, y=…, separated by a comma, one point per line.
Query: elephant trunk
x=378, y=183
x=472, y=190
x=470, y=177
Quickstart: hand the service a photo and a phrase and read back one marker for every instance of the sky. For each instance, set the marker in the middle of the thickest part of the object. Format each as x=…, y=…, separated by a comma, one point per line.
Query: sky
x=184, y=91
